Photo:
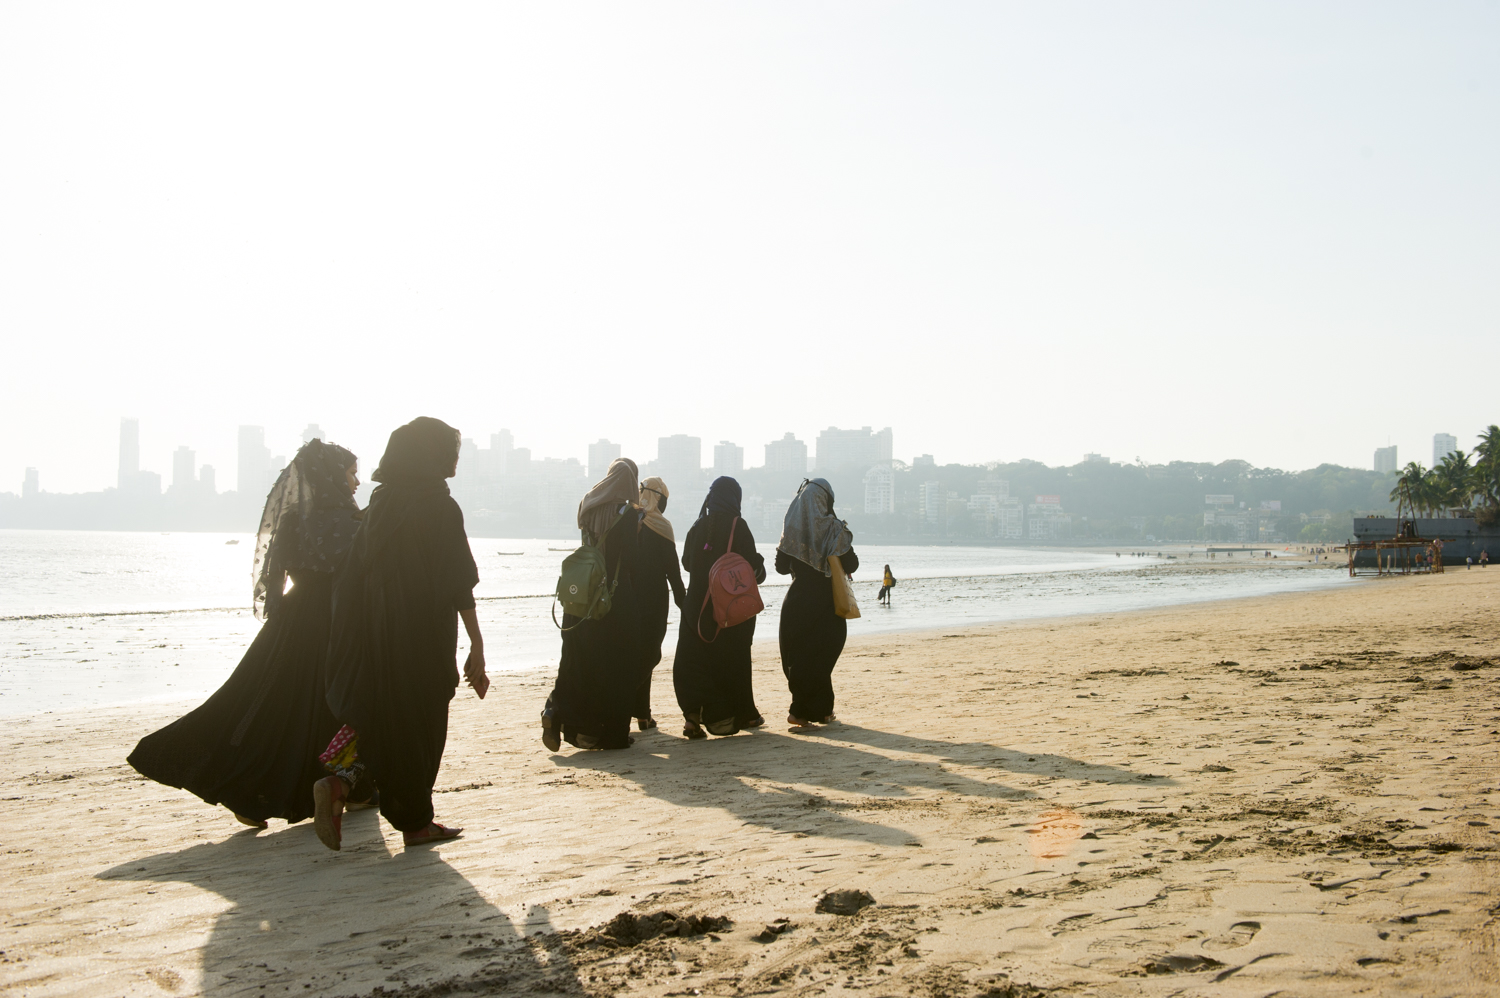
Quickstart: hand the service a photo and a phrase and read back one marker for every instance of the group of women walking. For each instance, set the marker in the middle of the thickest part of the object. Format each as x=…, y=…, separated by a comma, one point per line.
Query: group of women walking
x=341, y=701
x=606, y=667
x=342, y=698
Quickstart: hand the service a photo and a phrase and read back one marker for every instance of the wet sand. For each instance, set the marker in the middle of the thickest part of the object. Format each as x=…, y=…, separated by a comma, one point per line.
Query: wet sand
x=1292, y=794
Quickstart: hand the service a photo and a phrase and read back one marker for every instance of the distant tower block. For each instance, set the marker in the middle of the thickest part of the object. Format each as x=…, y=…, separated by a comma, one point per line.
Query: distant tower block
x=32, y=485
x=313, y=432
x=1385, y=458
x=601, y=453
x=729, y=459
x=1443, y=444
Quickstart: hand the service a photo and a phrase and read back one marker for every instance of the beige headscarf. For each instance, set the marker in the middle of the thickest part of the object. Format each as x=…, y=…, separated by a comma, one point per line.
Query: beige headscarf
x=653, y=494
x=597, y=510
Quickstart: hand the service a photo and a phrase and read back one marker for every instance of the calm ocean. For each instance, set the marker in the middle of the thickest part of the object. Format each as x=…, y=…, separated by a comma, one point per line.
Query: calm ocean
x=90, y=618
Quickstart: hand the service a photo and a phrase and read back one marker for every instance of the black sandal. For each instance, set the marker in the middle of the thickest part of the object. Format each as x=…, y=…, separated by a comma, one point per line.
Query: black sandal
x=551, y=732
x=693, y=731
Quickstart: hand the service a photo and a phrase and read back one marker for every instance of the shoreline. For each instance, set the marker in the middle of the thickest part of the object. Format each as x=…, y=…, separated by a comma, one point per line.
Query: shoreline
x=763, y=646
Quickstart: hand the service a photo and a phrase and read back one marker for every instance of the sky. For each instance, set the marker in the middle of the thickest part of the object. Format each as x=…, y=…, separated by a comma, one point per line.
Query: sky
x=1157, y=231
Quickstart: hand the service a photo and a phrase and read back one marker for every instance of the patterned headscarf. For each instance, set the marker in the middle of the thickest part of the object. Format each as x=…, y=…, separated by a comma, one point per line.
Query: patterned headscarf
x=308, y=521
x=811, y=533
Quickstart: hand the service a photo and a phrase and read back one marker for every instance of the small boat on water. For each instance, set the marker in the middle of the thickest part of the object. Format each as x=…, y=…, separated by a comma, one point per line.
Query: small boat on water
x=510, y=553
x=235, y=541
x=560, y=549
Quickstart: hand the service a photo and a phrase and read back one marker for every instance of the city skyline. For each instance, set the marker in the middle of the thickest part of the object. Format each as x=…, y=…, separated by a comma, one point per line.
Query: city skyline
x=185, y=472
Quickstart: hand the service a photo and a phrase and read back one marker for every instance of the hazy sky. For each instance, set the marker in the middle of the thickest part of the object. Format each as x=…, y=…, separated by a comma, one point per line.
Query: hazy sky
x=1166, y=230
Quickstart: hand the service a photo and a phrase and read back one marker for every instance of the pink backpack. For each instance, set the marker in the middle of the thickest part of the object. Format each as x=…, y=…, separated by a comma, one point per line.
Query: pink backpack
x=731, y=589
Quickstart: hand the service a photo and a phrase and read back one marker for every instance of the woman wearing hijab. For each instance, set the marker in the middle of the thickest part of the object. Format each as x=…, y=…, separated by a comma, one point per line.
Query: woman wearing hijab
x=659, y=575
x=408, y=578
x=713, y=677
x=253, y=746
x=600, y=666
x=812, y=634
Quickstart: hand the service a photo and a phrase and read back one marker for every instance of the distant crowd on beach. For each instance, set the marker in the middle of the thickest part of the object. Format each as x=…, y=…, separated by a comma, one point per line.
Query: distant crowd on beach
x=341, y=701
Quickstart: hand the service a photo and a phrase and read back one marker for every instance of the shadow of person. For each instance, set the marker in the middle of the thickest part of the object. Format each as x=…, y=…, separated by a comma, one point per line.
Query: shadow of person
x=985, y=755
x=771, y=780
x=304, y=920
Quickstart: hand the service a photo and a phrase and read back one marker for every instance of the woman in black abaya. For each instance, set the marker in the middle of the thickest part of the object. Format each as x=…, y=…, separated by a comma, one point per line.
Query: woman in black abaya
x=713, y=677
x=408, y=578
x=812, y=635
x=600, y=666
x=253, y=746
x=660, y=577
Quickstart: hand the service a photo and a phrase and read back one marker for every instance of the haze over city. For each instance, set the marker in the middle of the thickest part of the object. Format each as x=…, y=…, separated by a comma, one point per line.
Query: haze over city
x=1162, y=231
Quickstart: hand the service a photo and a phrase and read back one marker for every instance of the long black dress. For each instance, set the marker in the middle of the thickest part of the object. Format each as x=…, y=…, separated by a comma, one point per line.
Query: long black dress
x=393, y=644
x=660, y=582
x=599, y=668
x=253, y=746
x=812, y=635
x=713, y=678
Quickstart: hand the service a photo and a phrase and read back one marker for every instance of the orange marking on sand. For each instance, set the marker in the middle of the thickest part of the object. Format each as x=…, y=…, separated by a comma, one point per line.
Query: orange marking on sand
x=1055, y=832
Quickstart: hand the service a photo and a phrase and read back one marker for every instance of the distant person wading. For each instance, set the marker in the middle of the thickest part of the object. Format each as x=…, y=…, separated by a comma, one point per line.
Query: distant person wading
x=812, y=633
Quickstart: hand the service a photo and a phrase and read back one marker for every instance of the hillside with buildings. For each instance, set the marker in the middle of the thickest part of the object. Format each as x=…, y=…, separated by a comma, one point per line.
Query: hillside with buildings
x=507, y=491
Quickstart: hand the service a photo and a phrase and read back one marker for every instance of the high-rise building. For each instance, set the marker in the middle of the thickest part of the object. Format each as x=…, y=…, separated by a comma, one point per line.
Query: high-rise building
x=880, y=489
x=206, y=482
x=31, y=485
x=852, y=449
x=924, y=461
x=679, y=460
x=787, y=455
x=601, y=454
x=933, y=502
x=729, y=459
x=1443, y=444
x=130, y=454
x=184, y=470
x=1092, y=458
x=1385, y=458
x=313, y=432
x=254, y=471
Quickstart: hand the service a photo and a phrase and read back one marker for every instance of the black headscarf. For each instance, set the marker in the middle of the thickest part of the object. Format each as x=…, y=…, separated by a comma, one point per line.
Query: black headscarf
x=424, y=451
x=308, y=520
x=417, y=459
x=723, y=497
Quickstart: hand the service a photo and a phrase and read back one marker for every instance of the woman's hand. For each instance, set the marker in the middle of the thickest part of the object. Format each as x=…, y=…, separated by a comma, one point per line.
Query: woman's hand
x=474, y=670
x=474, y=664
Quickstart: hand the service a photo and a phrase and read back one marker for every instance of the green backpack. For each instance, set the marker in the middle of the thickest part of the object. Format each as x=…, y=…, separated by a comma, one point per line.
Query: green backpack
x=583, y=588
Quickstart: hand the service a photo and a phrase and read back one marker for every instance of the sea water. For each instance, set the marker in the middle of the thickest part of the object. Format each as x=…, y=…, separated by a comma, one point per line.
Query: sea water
x=90, y=618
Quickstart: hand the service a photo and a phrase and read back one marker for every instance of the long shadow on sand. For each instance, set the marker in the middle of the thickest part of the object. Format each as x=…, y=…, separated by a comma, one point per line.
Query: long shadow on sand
x=306, y=921
x=773, y=780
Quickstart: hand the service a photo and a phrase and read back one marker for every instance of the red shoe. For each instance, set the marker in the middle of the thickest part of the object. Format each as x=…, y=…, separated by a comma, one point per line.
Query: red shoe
x=432, y=833
x=328, y=811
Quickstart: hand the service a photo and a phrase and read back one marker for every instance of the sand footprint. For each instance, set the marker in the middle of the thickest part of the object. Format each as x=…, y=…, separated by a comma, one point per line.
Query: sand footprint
x=1239, y=934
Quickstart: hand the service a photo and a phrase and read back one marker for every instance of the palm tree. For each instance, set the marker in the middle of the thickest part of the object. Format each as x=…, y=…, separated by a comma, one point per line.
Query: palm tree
x=1458, y=479
x=1409, y=492
x=1487, y=465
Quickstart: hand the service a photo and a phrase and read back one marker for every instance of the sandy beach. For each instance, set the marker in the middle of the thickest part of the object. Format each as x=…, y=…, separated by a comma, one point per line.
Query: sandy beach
x=1292, y=794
